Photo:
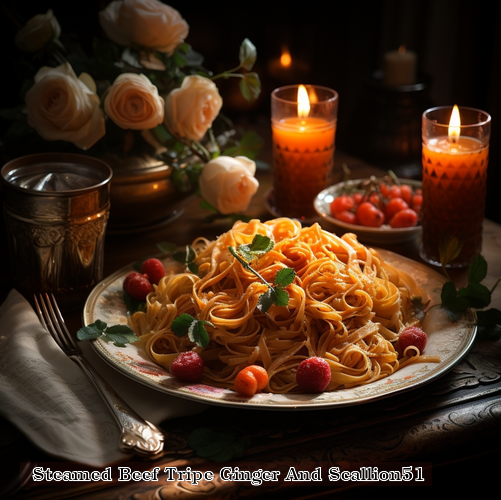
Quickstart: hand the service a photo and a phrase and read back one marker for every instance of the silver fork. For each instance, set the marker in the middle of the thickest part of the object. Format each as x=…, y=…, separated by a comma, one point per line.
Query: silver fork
x=136, y=434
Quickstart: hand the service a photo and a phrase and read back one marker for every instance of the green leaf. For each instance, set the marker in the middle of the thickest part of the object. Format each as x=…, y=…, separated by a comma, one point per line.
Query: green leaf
x=478, y=295
x=250, y=86
x=121, y=340
x=100, y=325
x=448, y=294
x=181, y=325
x=198, y=334
x=89, y=332
x=192, y=267
x=266, y=300
x=206, y=205
x=247, y=54
x=285, y=277
x=259, y=246
x=281, y=297
x=477, y=271
x=167, y=247
x=179, y=60
x=132, y=304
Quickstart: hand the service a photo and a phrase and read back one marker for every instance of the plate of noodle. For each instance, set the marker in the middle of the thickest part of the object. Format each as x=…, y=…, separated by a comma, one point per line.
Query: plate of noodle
x=347, y=304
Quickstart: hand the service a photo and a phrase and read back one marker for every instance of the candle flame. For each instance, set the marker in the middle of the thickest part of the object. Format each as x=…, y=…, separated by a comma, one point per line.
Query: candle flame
x=454, y=125
x=285, y=58
x=303, y=102
x=401, y=49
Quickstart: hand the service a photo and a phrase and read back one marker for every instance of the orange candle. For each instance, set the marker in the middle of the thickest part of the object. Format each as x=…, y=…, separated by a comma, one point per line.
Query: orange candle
x=303, y=147
x=454, y=183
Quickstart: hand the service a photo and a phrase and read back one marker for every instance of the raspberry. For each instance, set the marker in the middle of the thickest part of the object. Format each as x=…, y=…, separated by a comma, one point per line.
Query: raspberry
x=138, y=287
x=128, y=278
x=188, y=366
x=413, y=336
x=313, y=375
x=154, y=269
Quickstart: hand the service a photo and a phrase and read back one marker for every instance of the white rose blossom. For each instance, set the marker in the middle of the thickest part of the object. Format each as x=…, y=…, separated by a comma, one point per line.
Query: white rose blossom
x=132, y=102
x=147, y=23
x=228, y=183
x=38, y=32
x=191, y=109
x=66, y=108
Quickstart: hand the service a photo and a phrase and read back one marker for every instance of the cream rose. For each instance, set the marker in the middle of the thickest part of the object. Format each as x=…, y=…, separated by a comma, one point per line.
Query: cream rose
x=133, y=102
x=191, y=109
x=38, y=32
x=148, y=23
x=62, y=107
x=228, y=184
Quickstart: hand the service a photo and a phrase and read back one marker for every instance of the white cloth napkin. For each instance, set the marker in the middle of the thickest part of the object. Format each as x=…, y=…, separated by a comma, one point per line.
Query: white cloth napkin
x=48, y=397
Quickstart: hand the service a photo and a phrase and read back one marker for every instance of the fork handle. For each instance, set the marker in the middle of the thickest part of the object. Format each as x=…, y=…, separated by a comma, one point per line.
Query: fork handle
x=136, y=434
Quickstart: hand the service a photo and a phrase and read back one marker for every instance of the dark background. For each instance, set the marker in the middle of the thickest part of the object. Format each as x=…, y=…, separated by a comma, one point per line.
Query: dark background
x=458, y=44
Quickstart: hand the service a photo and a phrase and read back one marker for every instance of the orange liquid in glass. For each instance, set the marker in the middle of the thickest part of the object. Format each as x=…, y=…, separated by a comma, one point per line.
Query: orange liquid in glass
x=303, y=157
x=454, y=188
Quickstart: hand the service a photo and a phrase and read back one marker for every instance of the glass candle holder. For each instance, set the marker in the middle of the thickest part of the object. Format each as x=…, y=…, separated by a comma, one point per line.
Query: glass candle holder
x=455, y=158
x=303, y=122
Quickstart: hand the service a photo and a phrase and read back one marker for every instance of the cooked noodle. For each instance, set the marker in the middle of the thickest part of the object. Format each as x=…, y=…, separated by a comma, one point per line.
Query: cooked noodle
x=345, y=305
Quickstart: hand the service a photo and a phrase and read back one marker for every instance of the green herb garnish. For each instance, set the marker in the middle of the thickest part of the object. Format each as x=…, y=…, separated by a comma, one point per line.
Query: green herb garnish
x=186, y=256
x=120, y=335
x=185, y=324
x=276, y=293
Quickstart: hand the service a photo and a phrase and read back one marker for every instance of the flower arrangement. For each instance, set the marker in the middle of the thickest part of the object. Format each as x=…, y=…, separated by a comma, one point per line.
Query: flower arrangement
x=143, y=86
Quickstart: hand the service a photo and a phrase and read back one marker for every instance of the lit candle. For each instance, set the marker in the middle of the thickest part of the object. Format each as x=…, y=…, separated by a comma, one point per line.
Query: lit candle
x=455, y=158
x=304, y=127
x=399, y=67
x=285, y=69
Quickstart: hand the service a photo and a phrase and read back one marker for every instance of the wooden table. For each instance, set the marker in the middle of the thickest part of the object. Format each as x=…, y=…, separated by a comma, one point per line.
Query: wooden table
x=451, y=426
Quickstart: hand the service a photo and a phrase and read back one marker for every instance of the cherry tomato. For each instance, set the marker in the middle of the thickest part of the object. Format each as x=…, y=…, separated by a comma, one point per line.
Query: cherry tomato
x=385, y=189
x=395, y=192
x=342, y=203
x=369, y=215
x=346, y=216
x=357, y=198
x=406, y=192
x=394, y=206
x=374, y=199
x=261, y=375
x=417, y=202
x=245, y=383
x=405, y=218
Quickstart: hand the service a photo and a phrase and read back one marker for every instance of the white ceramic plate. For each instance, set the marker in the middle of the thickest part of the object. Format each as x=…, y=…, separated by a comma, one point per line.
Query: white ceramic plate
x=449, y=341
x=384, y=235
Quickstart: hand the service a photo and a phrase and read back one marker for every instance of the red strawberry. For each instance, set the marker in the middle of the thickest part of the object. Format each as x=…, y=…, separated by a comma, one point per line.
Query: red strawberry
x=313, y=375
x=413, y=336
x=188, y=366
x=138, y=287
x=154, y=269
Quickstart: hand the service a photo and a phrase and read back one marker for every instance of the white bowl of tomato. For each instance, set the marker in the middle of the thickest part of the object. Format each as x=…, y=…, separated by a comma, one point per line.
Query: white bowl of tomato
x=380, y=211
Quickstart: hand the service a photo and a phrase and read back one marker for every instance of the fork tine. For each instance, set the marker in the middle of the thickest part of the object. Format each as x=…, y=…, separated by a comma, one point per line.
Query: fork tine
x=58, y=320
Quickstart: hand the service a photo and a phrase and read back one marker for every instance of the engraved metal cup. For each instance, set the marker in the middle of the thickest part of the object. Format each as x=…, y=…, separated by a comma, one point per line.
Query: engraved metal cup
x=56, y=207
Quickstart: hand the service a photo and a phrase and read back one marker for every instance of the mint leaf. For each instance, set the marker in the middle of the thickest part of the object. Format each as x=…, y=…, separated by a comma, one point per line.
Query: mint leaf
x=89, y=332
x=181, y=325
x=266, y=300
x=477, y=270
x=259, y=246
x=133, y=305
x=187, y=258
x=477, y=295
x=448, y=294
x=285, y=277
x=198, y=334
x=120, y=335
x=281, y=297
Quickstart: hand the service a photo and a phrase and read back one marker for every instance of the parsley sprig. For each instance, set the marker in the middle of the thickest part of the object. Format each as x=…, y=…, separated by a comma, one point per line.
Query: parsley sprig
x=120, y=335
x=276, y=293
